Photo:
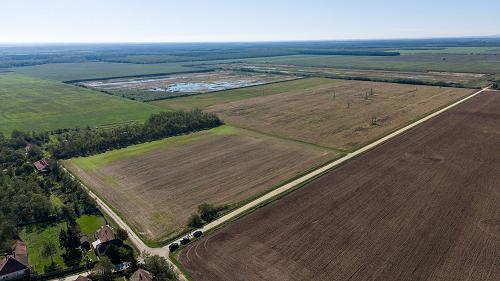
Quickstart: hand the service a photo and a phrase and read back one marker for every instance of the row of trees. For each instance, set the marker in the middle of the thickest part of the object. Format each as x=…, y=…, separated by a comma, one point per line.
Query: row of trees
x=88, y=141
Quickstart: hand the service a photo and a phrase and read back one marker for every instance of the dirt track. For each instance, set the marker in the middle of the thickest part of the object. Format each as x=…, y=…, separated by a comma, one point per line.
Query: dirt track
x=424, y=206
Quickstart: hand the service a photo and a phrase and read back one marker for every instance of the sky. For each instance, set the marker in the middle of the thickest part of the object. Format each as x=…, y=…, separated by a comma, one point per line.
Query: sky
x=28, y=21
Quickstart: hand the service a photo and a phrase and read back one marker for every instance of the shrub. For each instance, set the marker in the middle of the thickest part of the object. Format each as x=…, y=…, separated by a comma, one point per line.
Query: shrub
x=195, y=221
x=208, y=212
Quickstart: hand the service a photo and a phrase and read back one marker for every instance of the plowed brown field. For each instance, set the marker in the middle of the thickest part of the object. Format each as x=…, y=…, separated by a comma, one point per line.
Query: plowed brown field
x=157, y=186
x=423, y=206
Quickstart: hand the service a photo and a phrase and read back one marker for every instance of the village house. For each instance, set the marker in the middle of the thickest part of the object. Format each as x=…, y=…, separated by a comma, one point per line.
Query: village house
x=141, y=275
x=105, y=237
x=15, y=266
x=42, y=165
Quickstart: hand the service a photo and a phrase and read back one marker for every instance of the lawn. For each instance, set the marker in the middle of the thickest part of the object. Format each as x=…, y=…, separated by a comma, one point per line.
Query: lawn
x=89, y=224
x=35, y=235
x=28, y=103
x=156, y=186
x=93, y=70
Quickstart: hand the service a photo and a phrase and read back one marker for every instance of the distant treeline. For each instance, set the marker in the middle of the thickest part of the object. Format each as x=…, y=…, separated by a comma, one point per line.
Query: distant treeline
x=89, y=141
x=350, y=53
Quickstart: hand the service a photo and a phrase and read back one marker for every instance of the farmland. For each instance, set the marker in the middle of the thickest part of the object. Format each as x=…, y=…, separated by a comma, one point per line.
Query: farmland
x=430, y=77
x=169, y=86
x=423, y=206
x=209, y=99
x=28, y=103
x=331, y=113
x=485, y=63
x=156, y=186
x=93, y=70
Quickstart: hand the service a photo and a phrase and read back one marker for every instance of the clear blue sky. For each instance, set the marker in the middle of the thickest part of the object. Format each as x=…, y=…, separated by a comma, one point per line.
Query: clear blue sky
x=238, y=20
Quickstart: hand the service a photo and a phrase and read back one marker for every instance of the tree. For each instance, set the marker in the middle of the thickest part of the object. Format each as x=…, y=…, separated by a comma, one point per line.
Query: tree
x=63, y=238
x=113, y=253
x=208, y=212
x=49, y=250
x=103, y=271
x=159, y=268
x=121, y=234
x=195, y=221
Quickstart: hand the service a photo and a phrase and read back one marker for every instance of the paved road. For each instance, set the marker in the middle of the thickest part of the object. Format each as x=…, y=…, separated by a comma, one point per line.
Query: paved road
x=164, y=250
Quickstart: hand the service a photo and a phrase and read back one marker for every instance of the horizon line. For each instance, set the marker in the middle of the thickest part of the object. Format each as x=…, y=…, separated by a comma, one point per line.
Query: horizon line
x=496, y=36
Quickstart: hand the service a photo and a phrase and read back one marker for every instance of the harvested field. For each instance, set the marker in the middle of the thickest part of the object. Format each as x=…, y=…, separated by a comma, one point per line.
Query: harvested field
x=175, y=85
x=157, y=186
x=423, y=206
x=337, y=113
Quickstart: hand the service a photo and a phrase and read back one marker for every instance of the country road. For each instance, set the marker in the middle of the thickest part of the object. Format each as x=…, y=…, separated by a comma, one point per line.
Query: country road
x=164, y=251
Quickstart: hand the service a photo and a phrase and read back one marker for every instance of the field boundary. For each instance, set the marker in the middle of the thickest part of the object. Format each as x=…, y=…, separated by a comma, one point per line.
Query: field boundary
x=268, y=197
x=333, y=164
x=300, y=182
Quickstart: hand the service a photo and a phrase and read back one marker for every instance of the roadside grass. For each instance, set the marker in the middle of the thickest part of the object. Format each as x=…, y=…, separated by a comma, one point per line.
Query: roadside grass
x=28, y=103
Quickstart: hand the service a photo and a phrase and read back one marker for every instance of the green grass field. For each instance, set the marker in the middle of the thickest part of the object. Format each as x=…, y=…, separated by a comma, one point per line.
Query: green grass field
x=35, y=235
x=205, y=100
x=92, y=70
x=28, y=103
x=418, y=62
x=89, y=224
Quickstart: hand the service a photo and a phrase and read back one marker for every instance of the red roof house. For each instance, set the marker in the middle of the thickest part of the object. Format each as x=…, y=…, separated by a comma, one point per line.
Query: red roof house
x=141, y=275
x=42, y=165
x=105, y=236
x=15, y=266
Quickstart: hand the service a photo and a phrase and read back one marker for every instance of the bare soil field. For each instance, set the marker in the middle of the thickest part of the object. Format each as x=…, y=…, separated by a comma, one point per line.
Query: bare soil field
x=174, y=85
x=423, y=206
x=157, y=186
x=339, y=114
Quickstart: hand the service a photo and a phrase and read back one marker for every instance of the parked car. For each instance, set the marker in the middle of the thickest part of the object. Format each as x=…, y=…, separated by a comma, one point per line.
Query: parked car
x=185, y=240
x=197, y=233
x=172, y=247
